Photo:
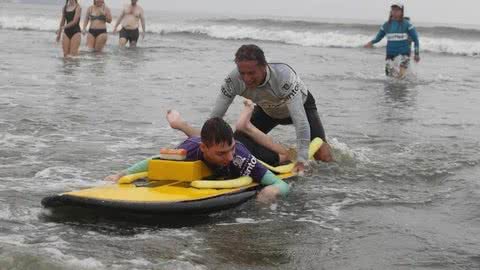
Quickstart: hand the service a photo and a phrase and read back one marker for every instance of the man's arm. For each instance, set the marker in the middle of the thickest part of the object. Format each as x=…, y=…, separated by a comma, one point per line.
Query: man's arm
x=380, y=35
x=225, y=98
x=412, y=32
x=221, y=105
x=302, y=127
x=142, y=21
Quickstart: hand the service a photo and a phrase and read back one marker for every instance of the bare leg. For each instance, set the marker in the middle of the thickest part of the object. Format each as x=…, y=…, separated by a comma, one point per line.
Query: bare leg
x=244, y=125
x=402, y=73
x=90, y=41
x=133, y=44
x=176, y=122
x=66, y=46
x=75, y=44
x=122, y=42
x=100, y=42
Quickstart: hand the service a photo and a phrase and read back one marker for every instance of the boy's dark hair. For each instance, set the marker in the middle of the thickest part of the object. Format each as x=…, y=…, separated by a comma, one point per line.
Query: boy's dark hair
x=216, y=131
x=250, y=52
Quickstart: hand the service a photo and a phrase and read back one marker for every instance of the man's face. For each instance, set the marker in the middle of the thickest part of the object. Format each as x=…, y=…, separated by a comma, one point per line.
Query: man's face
x=218, y=154
x=99, y=3
x=252, y=73
x=134, y=2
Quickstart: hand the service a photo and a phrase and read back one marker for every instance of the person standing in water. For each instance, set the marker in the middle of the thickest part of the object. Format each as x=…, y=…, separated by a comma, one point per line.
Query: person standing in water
x=98, y=15
x=70, y=26
x=400, y=33
x=130, y=17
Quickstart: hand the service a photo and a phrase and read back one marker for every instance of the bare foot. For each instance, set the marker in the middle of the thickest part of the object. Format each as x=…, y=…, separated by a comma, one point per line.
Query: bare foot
x=324, y=153
x=243, y=121
x=287, y=155
x=292, y=154
x=174, y=119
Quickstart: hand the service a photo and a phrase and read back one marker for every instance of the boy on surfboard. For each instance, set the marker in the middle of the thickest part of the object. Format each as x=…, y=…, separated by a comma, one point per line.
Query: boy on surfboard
x=225, y=156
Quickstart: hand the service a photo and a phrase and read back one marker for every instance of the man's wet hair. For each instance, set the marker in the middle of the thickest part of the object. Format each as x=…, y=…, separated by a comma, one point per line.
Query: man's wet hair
x=250, y=52
x=216, y=131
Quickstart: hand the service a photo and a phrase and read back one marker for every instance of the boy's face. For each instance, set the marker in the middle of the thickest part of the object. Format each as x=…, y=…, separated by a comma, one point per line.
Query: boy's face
x=218, y=154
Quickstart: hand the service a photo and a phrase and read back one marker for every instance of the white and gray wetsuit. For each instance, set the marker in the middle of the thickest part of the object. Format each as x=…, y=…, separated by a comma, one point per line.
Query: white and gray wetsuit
x=281, y=96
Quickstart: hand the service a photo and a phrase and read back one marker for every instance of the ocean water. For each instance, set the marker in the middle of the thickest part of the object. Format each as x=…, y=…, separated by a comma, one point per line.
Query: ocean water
x=403, y=193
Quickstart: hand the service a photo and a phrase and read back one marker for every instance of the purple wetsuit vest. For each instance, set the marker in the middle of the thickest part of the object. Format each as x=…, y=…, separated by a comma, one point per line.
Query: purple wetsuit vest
x=243, y=164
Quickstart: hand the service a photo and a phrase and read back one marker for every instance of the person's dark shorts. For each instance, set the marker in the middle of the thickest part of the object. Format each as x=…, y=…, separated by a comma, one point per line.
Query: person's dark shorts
x=130, y=35
x=265, y=123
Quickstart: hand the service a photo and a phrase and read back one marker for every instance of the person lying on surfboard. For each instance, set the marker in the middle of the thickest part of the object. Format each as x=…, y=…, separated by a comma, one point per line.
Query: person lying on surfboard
x=281, y=98
x=225, y=156
x=400, y=33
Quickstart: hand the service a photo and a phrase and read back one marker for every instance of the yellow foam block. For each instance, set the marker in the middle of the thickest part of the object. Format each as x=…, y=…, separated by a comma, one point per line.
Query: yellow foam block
x=127, y=179
x=177, y=170
x=233, y=183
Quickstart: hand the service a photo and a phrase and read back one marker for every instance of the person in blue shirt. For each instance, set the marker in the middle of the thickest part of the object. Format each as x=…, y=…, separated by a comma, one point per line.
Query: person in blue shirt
x=400, y=33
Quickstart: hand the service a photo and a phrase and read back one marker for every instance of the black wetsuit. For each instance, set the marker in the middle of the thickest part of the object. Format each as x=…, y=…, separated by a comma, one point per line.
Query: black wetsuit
x=72, y=30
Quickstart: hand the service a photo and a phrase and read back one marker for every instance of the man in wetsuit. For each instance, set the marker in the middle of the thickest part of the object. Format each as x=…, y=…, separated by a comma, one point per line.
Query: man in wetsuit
x=130, y=17
x=281, y=97
x=224, y=156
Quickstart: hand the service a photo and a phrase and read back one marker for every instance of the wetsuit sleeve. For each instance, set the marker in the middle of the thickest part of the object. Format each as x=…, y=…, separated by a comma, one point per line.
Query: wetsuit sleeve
x=229, y=90
x=221, y=105
x=412, y=32
x=292, y=91
x=271, y=179
x=138, y=167
x=381, y=33
x=302, y=127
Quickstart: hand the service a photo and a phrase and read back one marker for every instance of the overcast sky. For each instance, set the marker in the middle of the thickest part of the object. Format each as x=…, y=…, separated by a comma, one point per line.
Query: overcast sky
x=430, y=11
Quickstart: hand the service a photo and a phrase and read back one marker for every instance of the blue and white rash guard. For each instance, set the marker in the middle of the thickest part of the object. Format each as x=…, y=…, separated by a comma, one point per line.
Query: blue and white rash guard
x=399, y=36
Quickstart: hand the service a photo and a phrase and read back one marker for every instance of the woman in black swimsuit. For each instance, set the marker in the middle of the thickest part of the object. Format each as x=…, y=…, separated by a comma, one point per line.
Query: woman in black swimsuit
x=70, y=24
x=98, y=15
